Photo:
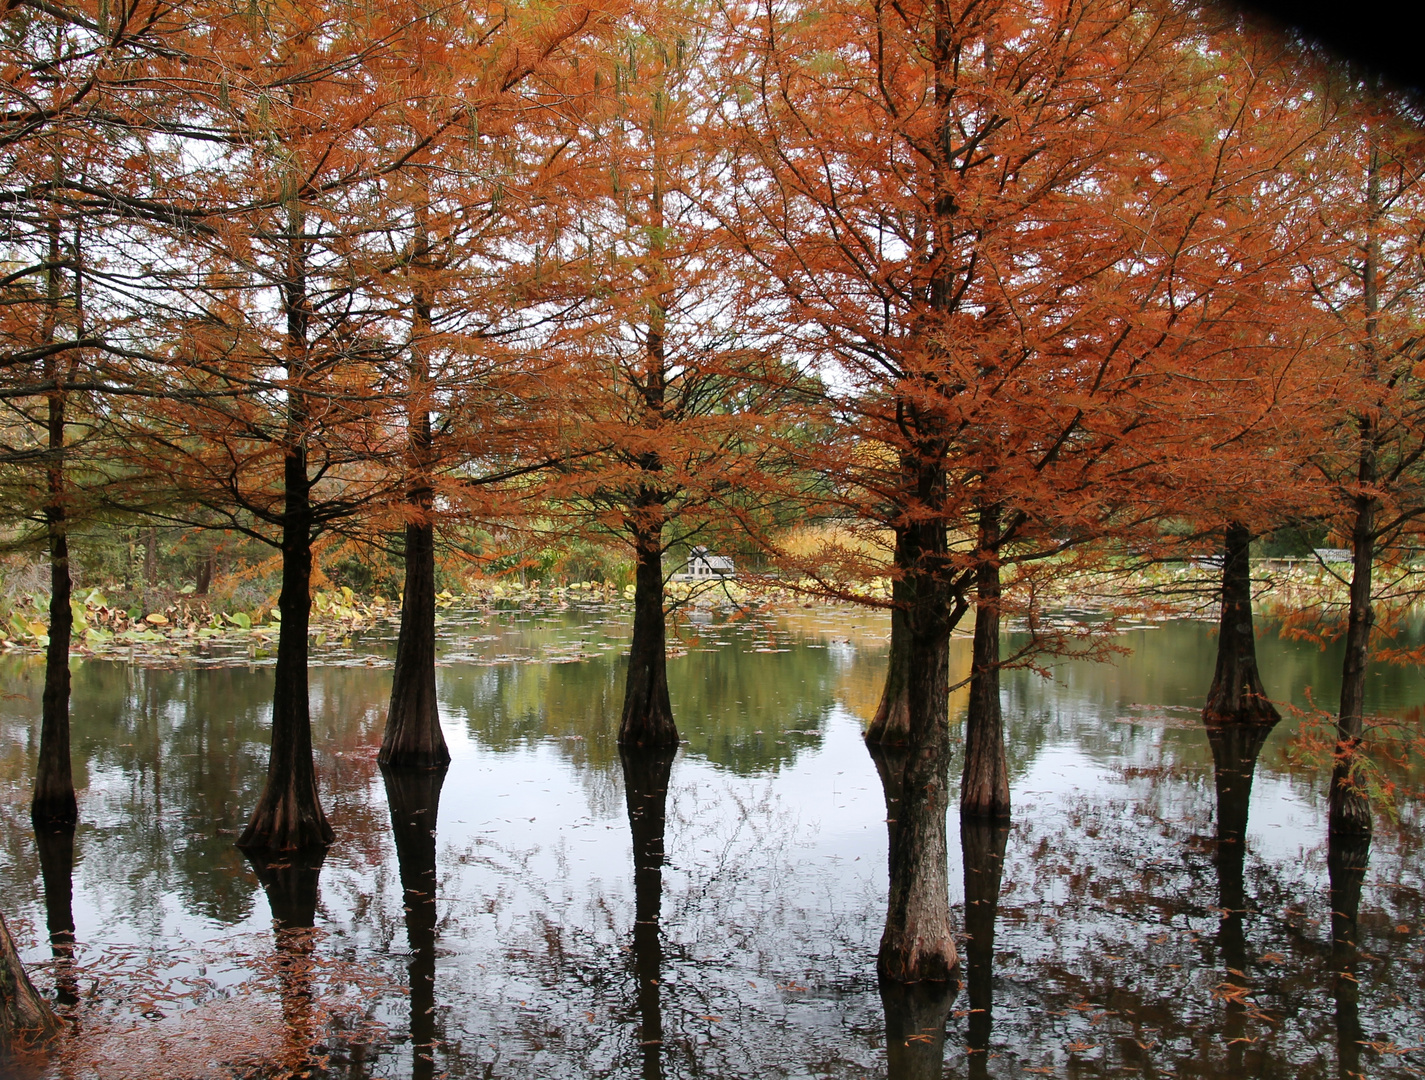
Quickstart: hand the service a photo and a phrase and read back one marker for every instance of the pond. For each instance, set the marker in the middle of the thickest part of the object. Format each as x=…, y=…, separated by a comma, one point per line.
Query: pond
x=509, y=922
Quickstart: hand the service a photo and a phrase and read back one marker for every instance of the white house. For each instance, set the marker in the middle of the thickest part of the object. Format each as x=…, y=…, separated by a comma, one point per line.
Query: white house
x=702, y=566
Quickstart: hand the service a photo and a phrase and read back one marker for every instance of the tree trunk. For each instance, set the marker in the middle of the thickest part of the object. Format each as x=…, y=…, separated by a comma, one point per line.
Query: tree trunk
x=54, y=803
x=916, y=944
x=150, y=556
x=413, y=736
x=289, y=816
x=645, y=781
x=1347, y=856
x=1237, y=695
x=203, y=578
x=1350, y=810
x=289, y=813
x=915, y=1028
x=56, y=849
x=24, y=1015
x=984, y=787
x=891, y=724
x=647, y=719
x=413, y=796
x=982, y=844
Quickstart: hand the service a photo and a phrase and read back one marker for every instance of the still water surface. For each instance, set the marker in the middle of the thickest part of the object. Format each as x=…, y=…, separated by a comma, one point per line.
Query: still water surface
x=541, y=953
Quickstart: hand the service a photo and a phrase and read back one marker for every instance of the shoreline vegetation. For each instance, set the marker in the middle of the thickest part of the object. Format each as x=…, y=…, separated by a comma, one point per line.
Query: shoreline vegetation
x=1304, y=597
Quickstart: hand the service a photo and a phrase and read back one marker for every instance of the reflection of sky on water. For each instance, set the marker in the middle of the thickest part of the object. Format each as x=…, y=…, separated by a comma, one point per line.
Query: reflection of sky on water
x=774, y=884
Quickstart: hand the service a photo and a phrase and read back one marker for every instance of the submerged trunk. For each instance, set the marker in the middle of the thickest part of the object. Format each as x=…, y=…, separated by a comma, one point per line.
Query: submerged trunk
x=645, y=780
x=53, y=803
x=1237, y=695
x=984, y=787
x=1350, y=809
x=289, y=816
x=56, y=849
x=916, y=944
x=915, y=1028
x=24, y=1015
x=891, y=724
x=413, y=736
x=413, y=796
x=1347, y=856
x=647, y=719
x=982, y=844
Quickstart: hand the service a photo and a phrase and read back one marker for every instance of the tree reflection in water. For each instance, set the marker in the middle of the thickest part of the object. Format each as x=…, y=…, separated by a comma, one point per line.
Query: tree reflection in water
x=645, y=779
x=1235, y=748
x=290, y=881
x=1114, y=957
x=413, y=796
x=915, y=1012
x=56, y=850
x=983, y=844
x=1346, y=859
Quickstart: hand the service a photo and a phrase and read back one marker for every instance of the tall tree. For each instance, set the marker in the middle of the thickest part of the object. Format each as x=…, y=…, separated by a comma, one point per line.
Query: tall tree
x=450, y=267
x=666, y=374
x=1368, y=284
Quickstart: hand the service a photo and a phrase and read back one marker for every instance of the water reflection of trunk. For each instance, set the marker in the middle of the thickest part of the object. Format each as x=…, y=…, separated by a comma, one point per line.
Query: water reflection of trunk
x=983, y=844
x=916, y=944
x=290, y=883
x=56, y=848
x=1235, y=748
x=645, y=780
x=915, y=1028
x=1347, y=856
x=414, y=798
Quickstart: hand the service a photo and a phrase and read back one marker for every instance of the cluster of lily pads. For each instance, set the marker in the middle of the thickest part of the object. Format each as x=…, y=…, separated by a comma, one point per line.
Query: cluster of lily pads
x=100, y=625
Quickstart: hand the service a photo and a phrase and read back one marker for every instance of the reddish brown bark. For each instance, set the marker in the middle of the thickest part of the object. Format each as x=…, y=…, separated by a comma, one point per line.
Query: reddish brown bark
x=25, y=1018
x=917, y=944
